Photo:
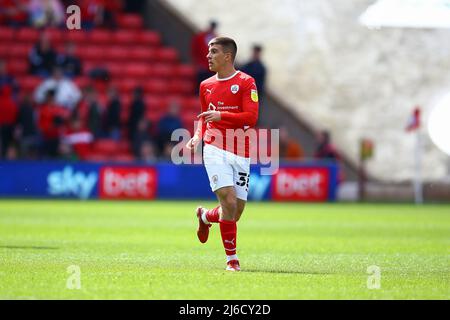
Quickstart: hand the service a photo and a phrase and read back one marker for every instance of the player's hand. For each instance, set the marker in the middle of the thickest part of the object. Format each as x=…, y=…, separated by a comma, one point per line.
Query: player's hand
x=193, y=143
x=210, y=116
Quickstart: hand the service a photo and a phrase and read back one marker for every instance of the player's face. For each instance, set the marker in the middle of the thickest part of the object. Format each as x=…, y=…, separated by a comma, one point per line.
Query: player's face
x=217, y=58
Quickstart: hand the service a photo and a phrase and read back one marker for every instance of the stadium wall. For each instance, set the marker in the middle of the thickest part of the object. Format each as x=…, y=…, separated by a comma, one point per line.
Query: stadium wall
x=336, y=74
x=309, y=182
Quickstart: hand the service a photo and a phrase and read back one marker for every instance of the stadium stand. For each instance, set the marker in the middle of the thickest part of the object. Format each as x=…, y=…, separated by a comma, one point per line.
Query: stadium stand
x=132, y=56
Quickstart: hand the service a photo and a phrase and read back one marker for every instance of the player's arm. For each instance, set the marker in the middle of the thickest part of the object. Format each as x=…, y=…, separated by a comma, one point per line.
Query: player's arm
x=201, y=127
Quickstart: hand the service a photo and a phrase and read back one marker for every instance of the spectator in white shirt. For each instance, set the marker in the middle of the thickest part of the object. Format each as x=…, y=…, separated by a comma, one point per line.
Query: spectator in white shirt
x=67, y=93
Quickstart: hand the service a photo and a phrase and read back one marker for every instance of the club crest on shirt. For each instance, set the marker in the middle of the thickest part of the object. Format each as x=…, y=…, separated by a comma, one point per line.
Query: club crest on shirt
x=254, y=95
x=215, y=178
x=234, y=88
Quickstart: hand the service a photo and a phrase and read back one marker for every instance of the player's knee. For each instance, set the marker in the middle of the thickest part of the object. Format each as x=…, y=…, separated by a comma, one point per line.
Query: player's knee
x=229, y=208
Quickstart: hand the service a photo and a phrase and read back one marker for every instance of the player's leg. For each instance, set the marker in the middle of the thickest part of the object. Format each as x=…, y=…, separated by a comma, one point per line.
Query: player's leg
x=240, y=208
x=228, y=227
x=220, y=176
x=241, y=176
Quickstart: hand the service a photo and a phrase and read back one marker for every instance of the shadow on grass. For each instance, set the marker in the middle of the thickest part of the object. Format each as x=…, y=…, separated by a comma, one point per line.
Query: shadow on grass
x=29, y=247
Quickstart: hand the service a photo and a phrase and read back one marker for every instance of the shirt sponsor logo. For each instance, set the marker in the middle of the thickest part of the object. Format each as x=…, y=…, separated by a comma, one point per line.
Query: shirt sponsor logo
x=211, y=107
x=234, y=88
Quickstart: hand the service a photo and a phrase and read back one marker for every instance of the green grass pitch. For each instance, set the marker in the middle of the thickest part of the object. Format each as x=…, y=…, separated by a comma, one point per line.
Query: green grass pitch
x=149, y=250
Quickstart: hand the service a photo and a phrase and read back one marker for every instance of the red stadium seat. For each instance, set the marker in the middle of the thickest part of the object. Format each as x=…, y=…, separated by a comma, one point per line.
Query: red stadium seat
x=116, y=70
x=188, y=118
x=20, y=50
x=88, y=66
x=6, y=34
x=97, y=157
x=126, y=85
x=77, y=36
x=155, y=103
x=4, y=51
x=156, y=86
x=18, y=67
x=162, y=70
x=185, y=71
x=148, y=38
x=137, y=70
x=191, y=103
x=27, y=35
x=142, y=53
x=124, y=114
x=123, y=157
x=55, y=35
x=182, y=87
x=124, y=146
x=130, y=21
x=126, y=101
x=167, y=55
x=153, y=115
x=117, y=53
x=92, y=52
x=100, y=37
x=29, y=83
x=82, y=82
x=124, y=37
x=106, y=146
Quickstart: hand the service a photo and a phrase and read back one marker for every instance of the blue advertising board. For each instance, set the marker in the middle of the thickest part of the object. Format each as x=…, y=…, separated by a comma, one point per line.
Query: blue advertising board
x=83, y=180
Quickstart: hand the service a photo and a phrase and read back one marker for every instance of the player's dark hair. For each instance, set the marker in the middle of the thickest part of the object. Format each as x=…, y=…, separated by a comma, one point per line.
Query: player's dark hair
x=228, y=45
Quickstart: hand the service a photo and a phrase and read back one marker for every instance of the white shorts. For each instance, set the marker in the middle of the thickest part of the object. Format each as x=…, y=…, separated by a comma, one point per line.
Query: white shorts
x=225, y=169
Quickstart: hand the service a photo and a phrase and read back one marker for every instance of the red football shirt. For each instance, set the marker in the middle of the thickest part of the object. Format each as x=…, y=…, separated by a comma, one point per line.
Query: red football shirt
x=236, y=98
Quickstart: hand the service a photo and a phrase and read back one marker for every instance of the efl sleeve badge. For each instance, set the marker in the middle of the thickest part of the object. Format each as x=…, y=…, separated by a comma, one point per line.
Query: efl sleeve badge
x=254, y=95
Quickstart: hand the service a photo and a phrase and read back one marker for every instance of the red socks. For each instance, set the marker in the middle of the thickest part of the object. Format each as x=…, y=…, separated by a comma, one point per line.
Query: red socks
x=213, y=215
x=228, y=230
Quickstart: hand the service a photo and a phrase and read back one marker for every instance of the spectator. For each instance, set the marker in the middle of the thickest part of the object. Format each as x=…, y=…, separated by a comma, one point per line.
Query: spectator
x=137, y=111
x=8, y=118
x=26, y=130
x=42, y=58
x=67, y=93
x=68, y=62
x=46, y=13
x=112, y=118
x=148, y=152
x=166, y=154
x=7, y=80
x=78, y=138
x=289, y=148
x=326, y=149
x=51, y=121
x=141, y=136
x=256, y=68
x=111, y=8
x=199, y=50
x=94, y=113
x=169, y=123
x=99, y=13
x=13, y=13
x=132, y=6
x=12, y=153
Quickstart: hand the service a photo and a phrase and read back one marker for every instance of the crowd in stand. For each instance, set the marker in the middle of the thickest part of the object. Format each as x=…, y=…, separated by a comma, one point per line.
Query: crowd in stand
x=52, y=13
x=59, y=119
